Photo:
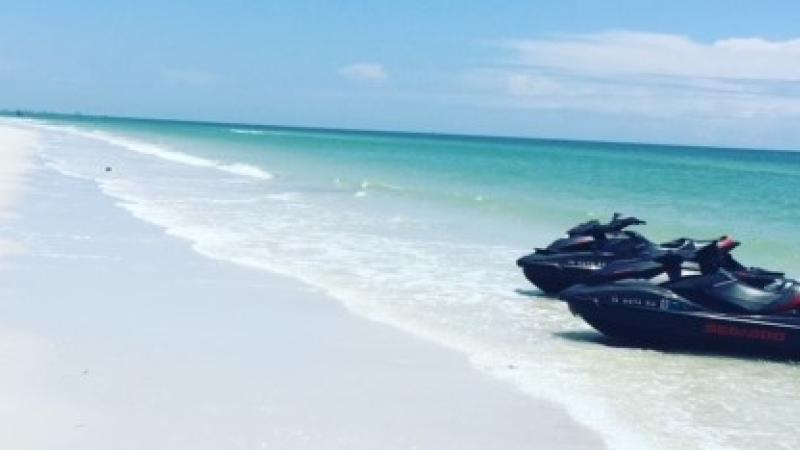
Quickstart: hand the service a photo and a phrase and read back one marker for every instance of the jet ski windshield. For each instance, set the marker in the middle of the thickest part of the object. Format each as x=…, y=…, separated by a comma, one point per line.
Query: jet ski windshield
x=599, y=230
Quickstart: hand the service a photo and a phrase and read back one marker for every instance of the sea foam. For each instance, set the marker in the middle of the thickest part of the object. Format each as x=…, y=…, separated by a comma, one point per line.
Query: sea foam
x=165, y=153
x=247, y=131
x=247, y=170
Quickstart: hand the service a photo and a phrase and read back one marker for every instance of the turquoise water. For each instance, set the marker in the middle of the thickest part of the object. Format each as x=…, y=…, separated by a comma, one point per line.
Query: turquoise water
x=421, y=231
x=518, y=183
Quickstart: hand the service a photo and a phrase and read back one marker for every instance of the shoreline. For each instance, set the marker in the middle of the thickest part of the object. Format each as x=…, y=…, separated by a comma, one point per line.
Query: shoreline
x=205, y=353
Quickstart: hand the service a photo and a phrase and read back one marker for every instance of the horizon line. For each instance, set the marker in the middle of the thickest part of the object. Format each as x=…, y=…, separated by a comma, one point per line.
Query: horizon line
x=322, y=129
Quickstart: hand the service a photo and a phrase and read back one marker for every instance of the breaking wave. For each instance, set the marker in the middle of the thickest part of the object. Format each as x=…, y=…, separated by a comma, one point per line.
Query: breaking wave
x=167, y=154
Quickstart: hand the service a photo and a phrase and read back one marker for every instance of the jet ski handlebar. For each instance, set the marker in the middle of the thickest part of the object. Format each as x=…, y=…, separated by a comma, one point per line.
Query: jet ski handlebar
x=711, y=257
x=598, y=230
x=618, y=224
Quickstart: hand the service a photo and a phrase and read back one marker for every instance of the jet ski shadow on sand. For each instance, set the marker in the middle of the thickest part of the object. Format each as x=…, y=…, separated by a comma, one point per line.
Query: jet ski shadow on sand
x=680, y=299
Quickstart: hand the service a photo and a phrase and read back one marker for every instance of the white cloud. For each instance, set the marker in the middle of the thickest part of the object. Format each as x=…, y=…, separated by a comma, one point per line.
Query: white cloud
x=656, y=75
x=635, y=53
x=364, y=72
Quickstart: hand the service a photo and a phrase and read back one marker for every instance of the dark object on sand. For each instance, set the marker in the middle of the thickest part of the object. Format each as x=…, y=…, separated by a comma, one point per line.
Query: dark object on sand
x=704, y=307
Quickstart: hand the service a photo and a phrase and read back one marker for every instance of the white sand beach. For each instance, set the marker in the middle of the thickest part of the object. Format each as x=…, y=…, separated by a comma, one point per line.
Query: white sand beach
x=114, y=335
x=16, y=145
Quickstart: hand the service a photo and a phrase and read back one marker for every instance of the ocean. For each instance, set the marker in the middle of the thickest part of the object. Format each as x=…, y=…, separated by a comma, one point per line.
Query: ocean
x=422, y=232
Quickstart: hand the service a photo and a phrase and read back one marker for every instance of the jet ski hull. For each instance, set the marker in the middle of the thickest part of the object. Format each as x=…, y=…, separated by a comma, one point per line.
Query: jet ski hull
x=663, y=319
x=554, y=273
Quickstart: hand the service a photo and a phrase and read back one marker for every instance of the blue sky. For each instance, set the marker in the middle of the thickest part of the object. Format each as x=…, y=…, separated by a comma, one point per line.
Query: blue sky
x=708, y=73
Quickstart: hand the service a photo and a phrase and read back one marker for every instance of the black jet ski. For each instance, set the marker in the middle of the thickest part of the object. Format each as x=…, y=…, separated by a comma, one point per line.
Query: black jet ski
x=591, y=246
x=586, y=248
x=708, y=306
x=596, y=236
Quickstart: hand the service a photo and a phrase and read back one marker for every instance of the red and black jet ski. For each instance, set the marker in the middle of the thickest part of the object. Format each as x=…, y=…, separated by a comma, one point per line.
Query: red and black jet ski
x=699, y=305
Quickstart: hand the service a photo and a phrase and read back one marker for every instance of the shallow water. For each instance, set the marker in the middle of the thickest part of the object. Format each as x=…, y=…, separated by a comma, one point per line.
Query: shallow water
x=422, y=232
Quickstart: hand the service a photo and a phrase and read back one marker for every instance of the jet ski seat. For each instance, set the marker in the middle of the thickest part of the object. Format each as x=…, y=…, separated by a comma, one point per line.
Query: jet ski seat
x=757, y=301
x=722, y=292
